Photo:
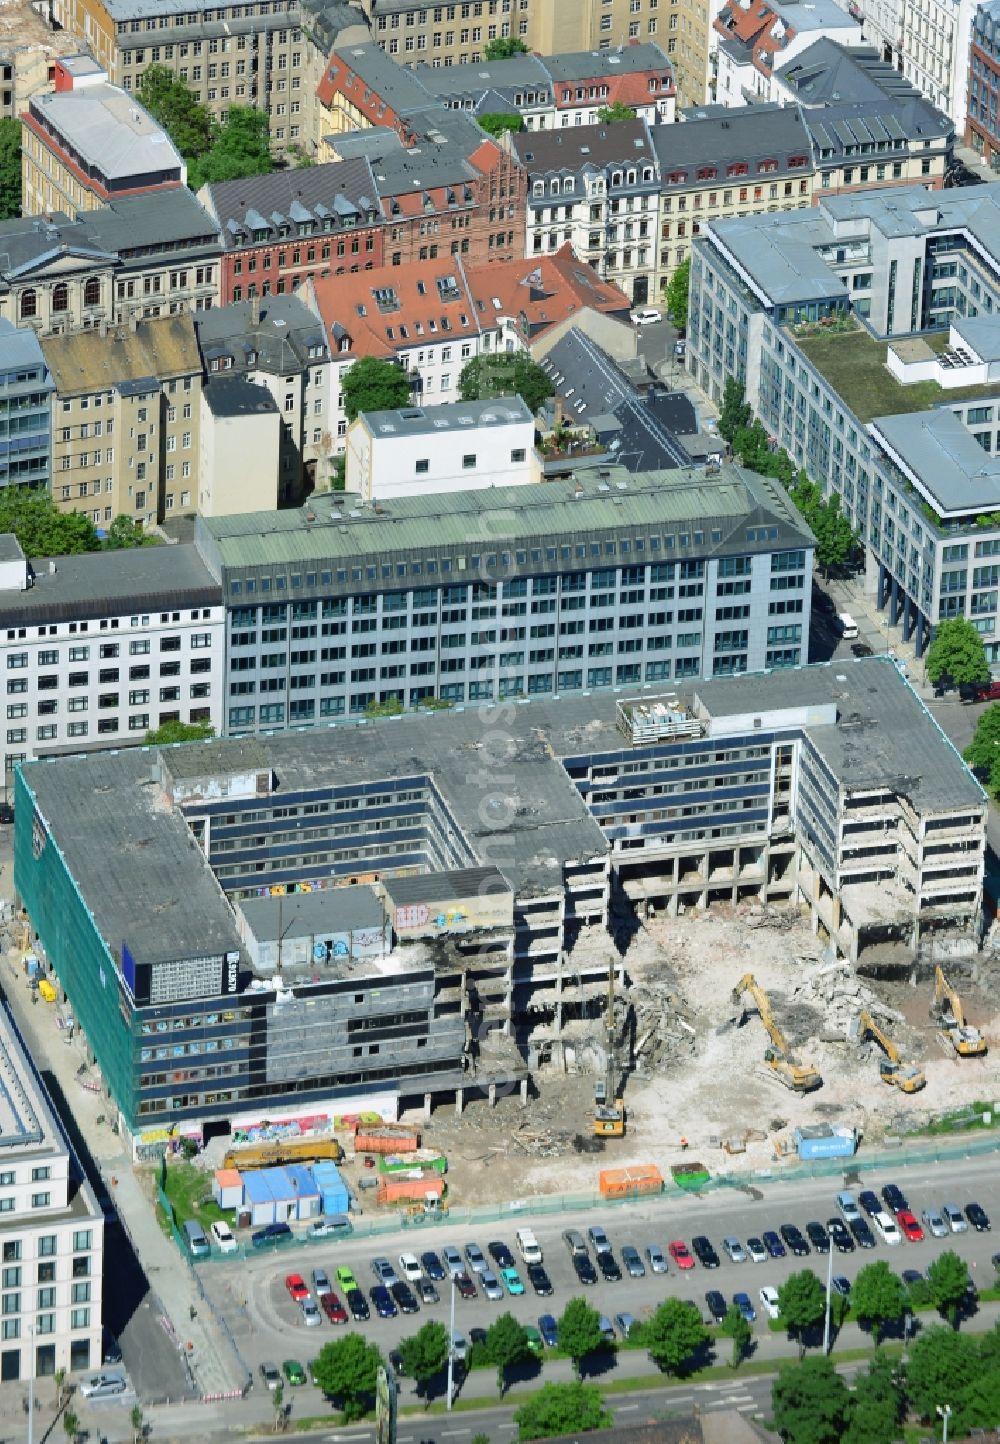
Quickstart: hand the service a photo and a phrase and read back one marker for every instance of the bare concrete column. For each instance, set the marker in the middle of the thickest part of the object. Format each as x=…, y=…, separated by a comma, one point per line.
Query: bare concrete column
x=427, y=1107
x=459, y=1101
x=493, y=1095
x=524, y=1092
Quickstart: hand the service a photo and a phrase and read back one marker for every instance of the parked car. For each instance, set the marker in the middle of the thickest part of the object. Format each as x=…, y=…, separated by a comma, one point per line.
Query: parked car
x=331, y=1225
x=737, y=1253
x=321, y=1283
x=533, y=1339
x=818, y=1237
x=539, y=1280
x=680, y=1254
x=706, y=1254
x=599, y=1240
x=511, y=1280
x=490, y=1285
x=608, y=1265
x=427, y=1291
x=358, y=1305
x=893, y=1198
x=500, y=1254
x=294, y=1372
x=223, y=1236
x=404, y=1297
x=978, y=1217
x=333, y=1308
x=842, y=1284
x=769, y=1300
x=909, y=1225
x=657, y=1259
x=848, y=1208
x=271, y=1235
x=934, y=1223
x=549, y=1330
x=383, y=1271
x=432, y=1266
x=296, y=1286
x=270, y=1373
x=311, y=1316
x=869, y=1201
x=409, y=1267
x=863, y=1235
x=793, y=1240
x=746, y=1308
x=756, y=1252
x=632, y=1259
x=717, y=1306
x=954, y=1218
x=607, y=1329
x=466, y=1288
x=453, y=1260
x=346, y=1280
x=773, y=1244
x=888, y=1229
x=103, y=1385
x=645, y=316
x=625, y=1323
x=584, y=1270
x=382, y=1302
x=840, y=1234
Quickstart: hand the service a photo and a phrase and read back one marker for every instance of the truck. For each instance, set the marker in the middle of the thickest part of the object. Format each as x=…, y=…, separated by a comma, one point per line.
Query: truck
x=270, y=1155
x=385, y=1138
x=409, y=1190
x=528, y=1246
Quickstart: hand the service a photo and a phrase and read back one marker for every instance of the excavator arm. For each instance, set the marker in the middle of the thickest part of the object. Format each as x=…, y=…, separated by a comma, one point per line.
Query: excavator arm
x=947, y=1008
x=893, y=1070
x=800, y=1077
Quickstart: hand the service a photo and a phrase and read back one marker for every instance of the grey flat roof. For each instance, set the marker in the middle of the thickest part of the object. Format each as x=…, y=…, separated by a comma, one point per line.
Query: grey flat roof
x=591, y=64
x=109, y=129
x=10, y=548
x=334, y=910
x=464, y=416
x=235, y=396
x=779, y=253
x=981, y=333
x=516, y=73
x=110, y=584
x=19, y=347
x=437, y=887
x=280, y=338
x=946, y=459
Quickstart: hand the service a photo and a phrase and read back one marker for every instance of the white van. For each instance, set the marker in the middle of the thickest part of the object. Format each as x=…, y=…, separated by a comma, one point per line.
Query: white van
x=887, y=1228
x=528, y=1246
x=848, y=626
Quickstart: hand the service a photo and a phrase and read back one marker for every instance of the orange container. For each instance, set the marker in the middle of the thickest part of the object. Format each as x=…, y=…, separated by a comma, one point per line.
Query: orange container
x=631, y=1182
x=413, y=1190
x=386, y=1138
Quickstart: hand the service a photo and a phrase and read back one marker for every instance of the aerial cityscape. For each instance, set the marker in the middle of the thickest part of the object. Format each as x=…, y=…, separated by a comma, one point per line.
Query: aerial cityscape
x=500, y=623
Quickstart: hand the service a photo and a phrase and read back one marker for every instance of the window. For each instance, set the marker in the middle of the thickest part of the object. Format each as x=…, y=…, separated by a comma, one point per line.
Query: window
x=469, y=462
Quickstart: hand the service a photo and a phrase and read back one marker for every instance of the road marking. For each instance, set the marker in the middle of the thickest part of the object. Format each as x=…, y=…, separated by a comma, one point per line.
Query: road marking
x=626, y=1408
x=453, y=1433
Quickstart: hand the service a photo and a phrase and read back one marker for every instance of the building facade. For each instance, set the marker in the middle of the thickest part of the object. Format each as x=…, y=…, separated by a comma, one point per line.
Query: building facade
x=25, y=409
x=810, y=314
x=751, y=38
x=87, y=142
x=126, y=414
x=100, y=648
x=52, y=1235
x=981, y=127
x=936, y=52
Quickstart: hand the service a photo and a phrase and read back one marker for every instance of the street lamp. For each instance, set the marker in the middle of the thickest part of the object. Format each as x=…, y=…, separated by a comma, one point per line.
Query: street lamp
x=451, y=1348
x=945, y=1411
x=829, y=1300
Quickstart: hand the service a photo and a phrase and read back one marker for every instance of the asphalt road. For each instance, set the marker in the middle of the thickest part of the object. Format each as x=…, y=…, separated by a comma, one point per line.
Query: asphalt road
x=268, y=1325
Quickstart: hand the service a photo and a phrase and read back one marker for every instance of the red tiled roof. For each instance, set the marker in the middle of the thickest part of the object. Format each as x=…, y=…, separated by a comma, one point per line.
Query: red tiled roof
x=348, y=304
x=544, y=289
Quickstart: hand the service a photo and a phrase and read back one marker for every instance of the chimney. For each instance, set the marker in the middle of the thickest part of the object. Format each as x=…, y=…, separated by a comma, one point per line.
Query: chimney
x=254, y=310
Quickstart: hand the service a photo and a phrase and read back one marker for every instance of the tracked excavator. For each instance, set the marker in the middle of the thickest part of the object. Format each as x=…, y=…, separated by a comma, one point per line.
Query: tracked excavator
x=947, y=1008
x=609, y=1106
x=800, y=1077
x=891, y=1069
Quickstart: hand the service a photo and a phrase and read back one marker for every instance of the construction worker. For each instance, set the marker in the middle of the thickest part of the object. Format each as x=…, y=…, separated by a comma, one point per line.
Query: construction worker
x=684, y=1144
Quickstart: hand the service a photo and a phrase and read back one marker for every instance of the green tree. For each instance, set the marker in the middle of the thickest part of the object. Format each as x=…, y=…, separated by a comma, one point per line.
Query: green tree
x=278, y=1408
x=41, y=528
x=241, y=147
x=736, y=414
x=609, y=114
x=374, y=385
x=503, y=47
x=425, y=1353
x=561, y=1409
x=123, y=534
x=940, y=1366
x=345, y=1370
x=979, y=1402
x=170, y=732
x=507, y=1345
x=71, y=1426
x=496, y=122
x=506, y=374
x=957, y=656
x=677, y=294
x=878, y=1404
x=734, y=1326
x=809, y=1402
x=175, y=107
x=580, y=1331
x=674, y=1334
x=801, y=1305
x=983, y=754
x=948, y=1279
x=10, y=169
x=878, y=1297
x=137, y=1422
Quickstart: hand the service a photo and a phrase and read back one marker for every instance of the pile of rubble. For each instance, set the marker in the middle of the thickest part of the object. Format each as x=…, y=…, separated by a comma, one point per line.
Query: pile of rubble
x=663, y=1032
x=836, y=992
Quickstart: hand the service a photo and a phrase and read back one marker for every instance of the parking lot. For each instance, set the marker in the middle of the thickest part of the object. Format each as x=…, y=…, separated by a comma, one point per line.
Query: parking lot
x=270, y=1326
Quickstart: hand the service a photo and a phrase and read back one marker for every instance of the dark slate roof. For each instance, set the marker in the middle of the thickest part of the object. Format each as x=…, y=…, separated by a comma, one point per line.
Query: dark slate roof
x=452, y=83
x=326, y=194
x=749, y=133
x=280, y=336
x=109, y=584
x=582, y=147
x=644, y=437
x=327, y=19
x=156, y=219
x=235, y=396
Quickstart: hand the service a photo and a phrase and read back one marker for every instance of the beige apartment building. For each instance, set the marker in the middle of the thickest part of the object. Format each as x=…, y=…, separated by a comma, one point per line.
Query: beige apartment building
x=126, y=415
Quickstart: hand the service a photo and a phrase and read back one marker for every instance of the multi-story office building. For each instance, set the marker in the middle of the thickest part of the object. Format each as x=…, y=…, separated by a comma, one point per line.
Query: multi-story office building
x=756, y=159
x=602, y=582
x=982, y=131
x=597, y=187
x=276, y=230
x=830, y=788
x=278, y=343
x=868, y=125
x=148, y=255
x=866, y=333
x=126, y=413
x=25, y=409
x=87, y=142
x=100, y=648
x=52, y=1235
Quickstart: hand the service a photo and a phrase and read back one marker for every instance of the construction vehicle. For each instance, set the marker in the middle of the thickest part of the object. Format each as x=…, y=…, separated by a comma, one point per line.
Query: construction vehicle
x=800, y=1077
x=891, y=1069
x=273, y=1155
x=609, y=1107
x=947, y=1008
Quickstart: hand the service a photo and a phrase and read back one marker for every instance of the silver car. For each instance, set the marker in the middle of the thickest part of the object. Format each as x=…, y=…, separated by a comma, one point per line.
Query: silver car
x=934, y=1223
x=632, y=1260
x=955, y=1218
x=491, y=1285
x=657, y=1258
x=475, y=1258
x=735, y=1250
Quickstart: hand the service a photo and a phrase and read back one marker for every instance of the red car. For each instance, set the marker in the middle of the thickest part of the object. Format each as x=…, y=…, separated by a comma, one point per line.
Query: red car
x=678, y=1251
x=909, y=1225
x=333, y=1308
x=296, y=1286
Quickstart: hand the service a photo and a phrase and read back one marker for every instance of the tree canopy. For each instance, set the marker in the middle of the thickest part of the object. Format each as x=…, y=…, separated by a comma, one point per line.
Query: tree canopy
x=809, y=1401
x=495, y=122
x=425, y=1353
x=503, y=47
x=10, y=169
x=124, y=533
x=677, y=294
x=170, y=732
x=736, y=413
x=580, y=1331
x=609, y=114
x=956, y=656
x=983, y=752
x=948, y=1280
x=345, y=1370
x=507, y=1345
x=506, y=374
x=41, y=528
x=674, y=1334
x=214, y=150
x=801, y=1305
x=558, y=1409
x=734, y=1326
x=878, y=1297
x=878, y=1404
x=374, y=385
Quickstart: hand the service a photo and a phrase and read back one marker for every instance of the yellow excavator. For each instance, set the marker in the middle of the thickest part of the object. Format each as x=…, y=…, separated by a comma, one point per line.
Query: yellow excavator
x=891, y=1069
x=609, y=1106
x=801, y=1077
x=947, y=1008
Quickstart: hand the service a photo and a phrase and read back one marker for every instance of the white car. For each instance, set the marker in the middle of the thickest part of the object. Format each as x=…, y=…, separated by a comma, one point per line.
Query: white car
x=769, y=1300
x=887, y=1228
x=646, y=316
x=223, y=1237
x=955, y=1218
x=410, y=1268
x=100, y=1386
x=758, y=1253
